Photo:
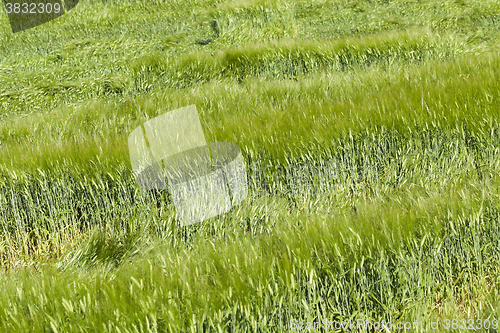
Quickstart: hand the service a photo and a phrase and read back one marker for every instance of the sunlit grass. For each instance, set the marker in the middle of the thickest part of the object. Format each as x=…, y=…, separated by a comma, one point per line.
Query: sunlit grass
x=371, y=136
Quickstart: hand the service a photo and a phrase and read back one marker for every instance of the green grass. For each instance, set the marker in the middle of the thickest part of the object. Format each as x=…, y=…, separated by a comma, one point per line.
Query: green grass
x=371, y=135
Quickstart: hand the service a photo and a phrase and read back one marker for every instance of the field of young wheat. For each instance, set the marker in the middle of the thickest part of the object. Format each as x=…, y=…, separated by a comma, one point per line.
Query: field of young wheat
x=371, y=136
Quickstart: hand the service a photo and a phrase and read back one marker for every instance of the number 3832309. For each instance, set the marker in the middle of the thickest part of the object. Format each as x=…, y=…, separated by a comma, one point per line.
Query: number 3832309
x=32, y=8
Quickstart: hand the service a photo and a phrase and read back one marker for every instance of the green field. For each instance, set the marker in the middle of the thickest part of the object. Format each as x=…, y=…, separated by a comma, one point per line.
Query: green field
x=371, y=134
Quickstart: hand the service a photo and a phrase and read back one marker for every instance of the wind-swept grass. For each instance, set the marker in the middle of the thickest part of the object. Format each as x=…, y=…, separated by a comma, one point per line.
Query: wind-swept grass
x=391, y=256
x=370, y=134
x=279, y=118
